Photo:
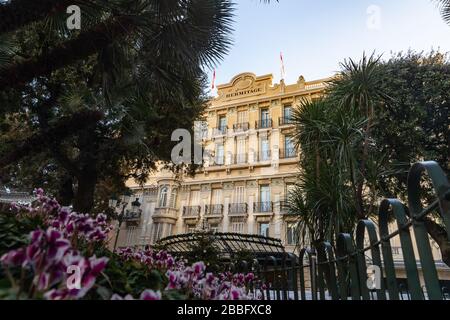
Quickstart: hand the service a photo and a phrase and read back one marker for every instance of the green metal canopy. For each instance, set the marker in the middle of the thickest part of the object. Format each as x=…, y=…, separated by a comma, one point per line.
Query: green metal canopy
x=228, y=244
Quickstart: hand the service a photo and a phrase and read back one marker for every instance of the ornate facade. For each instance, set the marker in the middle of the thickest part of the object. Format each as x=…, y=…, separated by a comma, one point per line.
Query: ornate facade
x=245, y=180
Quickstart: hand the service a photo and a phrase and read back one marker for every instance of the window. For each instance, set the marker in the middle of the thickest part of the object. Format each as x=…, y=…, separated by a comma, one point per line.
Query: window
x=173, y=199
x=241, y=151
x=265, y=149
x=263, y=229
x=290, y=189
x=157, y=232
x=265, y=119
x=220, y=154
x=239, y=195
x=264, y=193
x=287, y=114
x=242, y=117
x=237, y=227
x=216, y=196
x=195, y=198
x=222, y=123
x=163, y=197
x=265, y=115
x=291, y=234
x=289, y=147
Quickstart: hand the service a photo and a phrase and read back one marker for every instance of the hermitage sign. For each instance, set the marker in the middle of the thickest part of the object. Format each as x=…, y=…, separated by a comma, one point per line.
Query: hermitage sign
x=243, y=86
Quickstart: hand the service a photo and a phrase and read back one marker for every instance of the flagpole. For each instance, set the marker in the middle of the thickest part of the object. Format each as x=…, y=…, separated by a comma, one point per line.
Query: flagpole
x=283, y=71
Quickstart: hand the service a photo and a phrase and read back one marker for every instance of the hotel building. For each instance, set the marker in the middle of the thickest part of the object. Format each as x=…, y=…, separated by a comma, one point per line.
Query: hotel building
x=244, y=182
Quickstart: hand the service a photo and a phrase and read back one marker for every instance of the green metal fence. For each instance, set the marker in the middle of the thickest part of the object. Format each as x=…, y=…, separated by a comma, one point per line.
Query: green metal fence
x=340, y=272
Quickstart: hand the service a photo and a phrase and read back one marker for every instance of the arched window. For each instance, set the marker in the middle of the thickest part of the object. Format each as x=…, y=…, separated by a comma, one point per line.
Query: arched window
x=173, y=198
x=163, y=197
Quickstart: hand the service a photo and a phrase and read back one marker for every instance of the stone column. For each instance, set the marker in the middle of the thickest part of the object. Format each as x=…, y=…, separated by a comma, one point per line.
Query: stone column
x=226, y=220
x=251, y=218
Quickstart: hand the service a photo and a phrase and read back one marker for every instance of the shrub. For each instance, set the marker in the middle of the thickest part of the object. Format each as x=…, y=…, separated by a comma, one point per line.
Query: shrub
x=46, y=250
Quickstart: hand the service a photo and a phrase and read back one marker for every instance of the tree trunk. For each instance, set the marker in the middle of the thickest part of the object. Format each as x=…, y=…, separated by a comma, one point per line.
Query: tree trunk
x=84, y=197
x=66, y=194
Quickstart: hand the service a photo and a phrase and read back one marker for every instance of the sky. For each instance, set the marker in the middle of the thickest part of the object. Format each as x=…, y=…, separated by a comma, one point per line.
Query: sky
x=316, y=35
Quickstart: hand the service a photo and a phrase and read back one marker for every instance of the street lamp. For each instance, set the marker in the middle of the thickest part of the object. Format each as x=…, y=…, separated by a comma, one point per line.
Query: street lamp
x=115, y=205
x=135, y=205
x=122, y=215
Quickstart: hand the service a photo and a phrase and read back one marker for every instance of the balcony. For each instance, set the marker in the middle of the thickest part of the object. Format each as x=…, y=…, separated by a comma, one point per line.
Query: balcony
x=241, y=127
x=220, y=131
x=165, y=212
x=219, y=161
x=191, y=212
x=264, y=155
x=241, y=158
x=264, y=124
x=263, y=207
x=284, y=207
x=238, y=209
x=289, y=153
x=285, y=121
x=213, y=211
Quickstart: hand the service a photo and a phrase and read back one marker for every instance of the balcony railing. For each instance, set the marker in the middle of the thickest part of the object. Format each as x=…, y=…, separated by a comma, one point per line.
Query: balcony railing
x=220, y=131
x=192, y=211
x=289, y=153
x=265, y=155
x=285, y=121
x=237, y=209
x=166, y=212
x=241, y=158
x=264, y=124
x=263, y=207
x=219, y=161
x=284, y=207
x=241, y=127
x=214, y=210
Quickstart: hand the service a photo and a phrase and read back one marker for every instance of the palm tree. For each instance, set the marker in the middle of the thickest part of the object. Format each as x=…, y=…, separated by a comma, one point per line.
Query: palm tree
x=357, y=89
x=199, y=31
x=444, y=6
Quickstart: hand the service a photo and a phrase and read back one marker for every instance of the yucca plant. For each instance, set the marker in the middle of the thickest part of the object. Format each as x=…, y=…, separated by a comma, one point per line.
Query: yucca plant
x=357, y=90
x=323, y=199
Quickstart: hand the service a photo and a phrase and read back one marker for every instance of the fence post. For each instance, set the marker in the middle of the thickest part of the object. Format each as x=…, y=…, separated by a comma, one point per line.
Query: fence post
x=346, y=250
x=293, y=264
x=441, y=186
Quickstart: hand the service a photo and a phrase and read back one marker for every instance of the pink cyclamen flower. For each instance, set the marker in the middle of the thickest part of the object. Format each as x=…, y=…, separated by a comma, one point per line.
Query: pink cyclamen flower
x=199, y=267
x=14, y=258
x=150, y=295
x=118, y=297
